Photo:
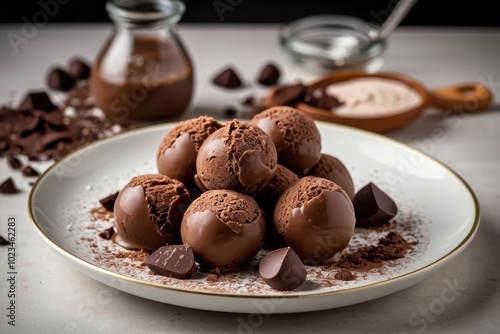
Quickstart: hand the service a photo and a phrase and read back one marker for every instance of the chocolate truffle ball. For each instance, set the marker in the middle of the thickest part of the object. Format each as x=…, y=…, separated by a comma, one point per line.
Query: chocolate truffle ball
x=334, y=170
x=239, y=157
x=295, y=135
x=176, y=154
x=315, y=217
x=148, y=212
x=224, y=228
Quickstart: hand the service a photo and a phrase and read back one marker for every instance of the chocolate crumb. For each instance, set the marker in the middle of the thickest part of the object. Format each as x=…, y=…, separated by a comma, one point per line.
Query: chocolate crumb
x=109, y=202
x=212, y=277
x=14, y=162
x=8, y=187
x=3, y=241
x=30, y=171
x=344, y=275
x=107, y=233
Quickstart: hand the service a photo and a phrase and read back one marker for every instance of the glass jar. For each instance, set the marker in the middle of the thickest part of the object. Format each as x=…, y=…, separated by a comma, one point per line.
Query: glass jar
x=143, y=72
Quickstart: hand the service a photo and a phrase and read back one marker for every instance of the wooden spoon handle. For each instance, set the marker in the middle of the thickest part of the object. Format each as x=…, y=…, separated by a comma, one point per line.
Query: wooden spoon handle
x=467, y=97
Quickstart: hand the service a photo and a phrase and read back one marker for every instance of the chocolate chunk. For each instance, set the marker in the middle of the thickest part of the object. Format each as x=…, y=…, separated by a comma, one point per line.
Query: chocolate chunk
x=8, y=187
x=107, y=233
x=30, y=171
x=321, y=99
x=109, y=202
x=249, y=101
x=227, y=79
x=59, y=79
x=373, y=207
x=3, y=241
x=282, y=269
x=288, y=95
x=269, y=75
x=78, y=68
x=229, y=112
x=37, y=101
x=14, y=162
x=173, y=261
x=344, y=275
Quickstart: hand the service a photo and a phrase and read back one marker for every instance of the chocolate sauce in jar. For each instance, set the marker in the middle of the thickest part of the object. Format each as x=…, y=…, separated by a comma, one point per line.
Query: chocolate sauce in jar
x=143, y=72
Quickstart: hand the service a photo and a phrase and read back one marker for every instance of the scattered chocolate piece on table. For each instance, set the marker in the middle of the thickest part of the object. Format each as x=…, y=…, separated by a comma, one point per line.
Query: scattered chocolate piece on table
x=269, y=75
x=282, y=269
x=78, y=68
x=8, y=187
x=248, y=101
x=37, y=101
x=229, y=112
x=59, y=79
x=30, y=171
x=108, y=202
x=228, y=79
x=3, y=241
x=373, y=207
x=107, y=233
x=173, y=261
x=14, y=162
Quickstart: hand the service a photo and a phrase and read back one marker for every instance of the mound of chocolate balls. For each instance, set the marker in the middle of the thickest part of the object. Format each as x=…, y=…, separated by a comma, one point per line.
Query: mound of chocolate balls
x=224, y=191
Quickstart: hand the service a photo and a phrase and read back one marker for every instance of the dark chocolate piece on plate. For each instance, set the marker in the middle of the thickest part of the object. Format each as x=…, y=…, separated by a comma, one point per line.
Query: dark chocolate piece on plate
x=269, y=75
x=288, y=95
x=8, y=187
x=30, y=171
x=107, y=233
x=78, y=68
x=3, y=241
x=14, y=162
x=173, y=261
x=373, y=207
x=37, y=101
x=59, y=79
x=282, y=269
x=108, y=202
x=227, y=79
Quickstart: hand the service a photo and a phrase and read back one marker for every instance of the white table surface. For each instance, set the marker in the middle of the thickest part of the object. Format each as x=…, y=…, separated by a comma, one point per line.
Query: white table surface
x=53, y=297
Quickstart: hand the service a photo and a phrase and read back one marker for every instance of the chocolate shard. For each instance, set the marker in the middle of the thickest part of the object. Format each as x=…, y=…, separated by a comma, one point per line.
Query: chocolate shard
x=108, y=202
x=37, y=101
x=373, y=207
x=14, y=162
x=59, y=79
x=321, y=99
x=248, y=101
x=288, y=95
x=282, y=269
x=30, y=171
x=3, y=241
x=173, y=261
x=269, y=75
x=228, y=79
x=8, y=187
x=79, y=68
x=107, y=233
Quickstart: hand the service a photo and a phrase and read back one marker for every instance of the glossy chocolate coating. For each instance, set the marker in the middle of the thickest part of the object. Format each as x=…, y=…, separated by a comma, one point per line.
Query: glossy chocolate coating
x=373, y=207
x=238, y=157
x=172, y=261
x=225, y=229
x=316, y=218
x=141, y=223
x=297, y=139
x=282, y=269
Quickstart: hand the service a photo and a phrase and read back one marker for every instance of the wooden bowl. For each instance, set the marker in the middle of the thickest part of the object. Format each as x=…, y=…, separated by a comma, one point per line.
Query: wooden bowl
x=464, y=97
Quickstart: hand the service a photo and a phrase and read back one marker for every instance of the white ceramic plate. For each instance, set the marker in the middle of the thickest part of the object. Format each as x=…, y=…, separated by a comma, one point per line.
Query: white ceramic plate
x=436, y=206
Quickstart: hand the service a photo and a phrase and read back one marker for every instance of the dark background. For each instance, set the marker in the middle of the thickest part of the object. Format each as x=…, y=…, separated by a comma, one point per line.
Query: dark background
x=425, y=12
